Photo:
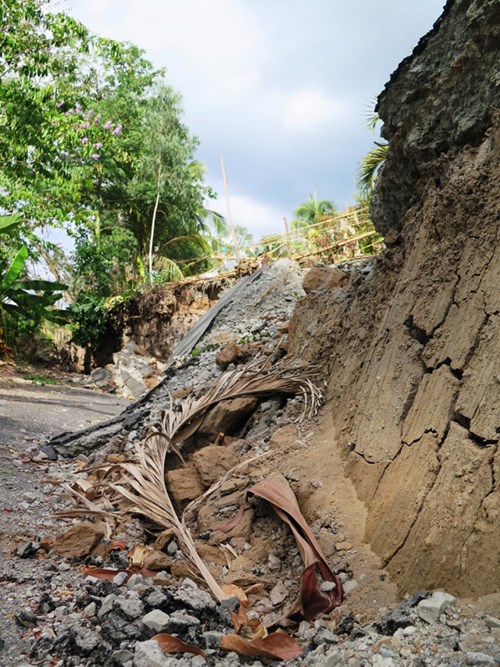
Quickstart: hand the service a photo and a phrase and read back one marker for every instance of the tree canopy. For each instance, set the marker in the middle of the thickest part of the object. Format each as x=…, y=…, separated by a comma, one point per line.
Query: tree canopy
x=92, y=141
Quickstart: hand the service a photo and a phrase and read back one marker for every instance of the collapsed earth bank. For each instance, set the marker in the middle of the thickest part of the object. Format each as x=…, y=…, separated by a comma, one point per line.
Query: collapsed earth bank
x=411, y=350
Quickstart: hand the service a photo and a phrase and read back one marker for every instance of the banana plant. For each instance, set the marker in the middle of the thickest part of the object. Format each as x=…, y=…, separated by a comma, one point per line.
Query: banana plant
x=24, y=297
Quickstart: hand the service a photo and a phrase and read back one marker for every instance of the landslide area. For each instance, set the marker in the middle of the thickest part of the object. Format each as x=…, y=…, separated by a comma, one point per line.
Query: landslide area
x=411, y=350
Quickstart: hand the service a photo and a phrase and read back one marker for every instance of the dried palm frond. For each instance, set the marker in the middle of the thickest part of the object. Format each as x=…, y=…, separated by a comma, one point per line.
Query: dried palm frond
x=143, y=486
x=255, y=379
x=138, y=487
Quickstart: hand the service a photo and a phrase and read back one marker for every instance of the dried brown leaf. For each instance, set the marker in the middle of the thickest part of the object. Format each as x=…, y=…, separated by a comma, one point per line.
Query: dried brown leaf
x=137, y=554
x=276, y=646
x=108, y=574
x=233, y=591
x=117, y=545
x=170, y=644
x=276, y=490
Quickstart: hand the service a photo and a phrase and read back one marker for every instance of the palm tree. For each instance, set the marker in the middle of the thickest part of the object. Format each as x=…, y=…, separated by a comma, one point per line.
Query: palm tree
x=369, y=169
x=371, y=163
x=312, y=211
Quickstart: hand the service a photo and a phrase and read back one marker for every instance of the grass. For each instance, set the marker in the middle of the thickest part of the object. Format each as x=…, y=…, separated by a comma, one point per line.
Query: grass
x=40, y=379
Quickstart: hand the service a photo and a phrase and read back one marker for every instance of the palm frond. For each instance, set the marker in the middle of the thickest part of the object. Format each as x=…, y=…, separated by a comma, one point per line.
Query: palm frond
x=138, y=487
x=369, y=167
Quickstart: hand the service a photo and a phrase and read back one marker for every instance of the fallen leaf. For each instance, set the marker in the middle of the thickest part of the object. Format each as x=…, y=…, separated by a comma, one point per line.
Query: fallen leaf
x=117, y=545
x=104, y=573
x=137, y=554
x=312, y=601
x=109, y=574
x=255, y=588
x=233, y=591
x=170, y=644
x=252, y=628
x=46, y=543
x=228, y=525
x=276, y=646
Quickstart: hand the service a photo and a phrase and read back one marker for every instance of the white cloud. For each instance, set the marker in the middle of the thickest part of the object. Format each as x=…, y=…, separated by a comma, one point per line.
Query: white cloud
x=98, y=8
x=261, y=219
x=308, y=110
x=215, y=43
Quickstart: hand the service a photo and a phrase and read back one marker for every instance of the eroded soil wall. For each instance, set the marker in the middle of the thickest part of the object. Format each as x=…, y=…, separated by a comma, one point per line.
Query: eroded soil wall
x=412, y=356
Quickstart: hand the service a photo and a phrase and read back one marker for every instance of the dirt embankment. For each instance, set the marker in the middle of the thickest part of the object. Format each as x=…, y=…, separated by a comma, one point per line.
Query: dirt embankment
x=412, y=350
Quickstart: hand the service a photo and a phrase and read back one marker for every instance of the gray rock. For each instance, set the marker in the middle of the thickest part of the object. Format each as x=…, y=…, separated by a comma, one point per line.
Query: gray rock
x=122, y=657
x=149, y=654
x=332, y=658
x=315, y=658
x=120, y=578
x=324, y=636
x=172, y=547
x=180, y=621
x=86, y=640
x=156, y=620
x=305, y=630
x=431, y=609
x=130, y=608
x=212, y=638
x=134, y=580
x=157, y=598
x=327, y=586
x=492, y=622
x=193, y=597
x=27, y=550
x=90, y=610
x=107, y=605
x=102, y=377
x=198, y=661
x=349, y=586
x=479, y=659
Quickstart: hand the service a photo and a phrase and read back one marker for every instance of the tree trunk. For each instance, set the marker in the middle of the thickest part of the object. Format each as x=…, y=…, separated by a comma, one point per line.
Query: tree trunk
x=153, y=222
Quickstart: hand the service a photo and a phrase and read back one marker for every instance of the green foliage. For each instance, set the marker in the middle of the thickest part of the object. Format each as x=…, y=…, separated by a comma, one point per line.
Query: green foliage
x=92, y=140
x=42, y=380
x=86, y=123
x=312, y=211
x=24, y=302
x=91, y=320
x=369, y=169
x=371, y=163
x=105, y=266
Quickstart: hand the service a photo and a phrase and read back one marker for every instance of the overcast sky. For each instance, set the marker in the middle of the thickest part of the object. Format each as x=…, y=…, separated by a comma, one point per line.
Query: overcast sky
x=280, y=88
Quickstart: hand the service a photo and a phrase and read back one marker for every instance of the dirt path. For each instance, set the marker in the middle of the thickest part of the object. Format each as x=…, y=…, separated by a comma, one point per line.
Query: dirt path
x=29, y=413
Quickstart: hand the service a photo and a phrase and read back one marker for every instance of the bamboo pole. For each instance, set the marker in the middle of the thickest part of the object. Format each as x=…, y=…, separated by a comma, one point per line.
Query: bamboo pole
x=229, y=214
x=287, y=237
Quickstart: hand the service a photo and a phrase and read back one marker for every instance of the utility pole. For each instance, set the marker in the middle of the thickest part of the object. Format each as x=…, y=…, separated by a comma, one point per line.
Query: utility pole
x=229, y=215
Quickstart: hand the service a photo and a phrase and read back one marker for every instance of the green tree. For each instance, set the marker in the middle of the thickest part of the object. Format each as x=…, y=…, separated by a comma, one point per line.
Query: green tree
x=371, y=163
x=312, y=211
x=164, y=199
x=21, y=297
x=92, y=140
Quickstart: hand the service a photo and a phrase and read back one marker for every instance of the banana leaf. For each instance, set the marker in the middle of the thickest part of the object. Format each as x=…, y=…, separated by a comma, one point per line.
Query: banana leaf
x=8, y=222
x=14, y=270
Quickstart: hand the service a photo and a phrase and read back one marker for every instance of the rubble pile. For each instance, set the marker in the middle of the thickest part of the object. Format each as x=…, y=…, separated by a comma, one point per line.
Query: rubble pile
x=92, y=596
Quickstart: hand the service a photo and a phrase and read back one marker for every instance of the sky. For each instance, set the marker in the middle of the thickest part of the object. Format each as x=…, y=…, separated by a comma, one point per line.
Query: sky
x=280, y=88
